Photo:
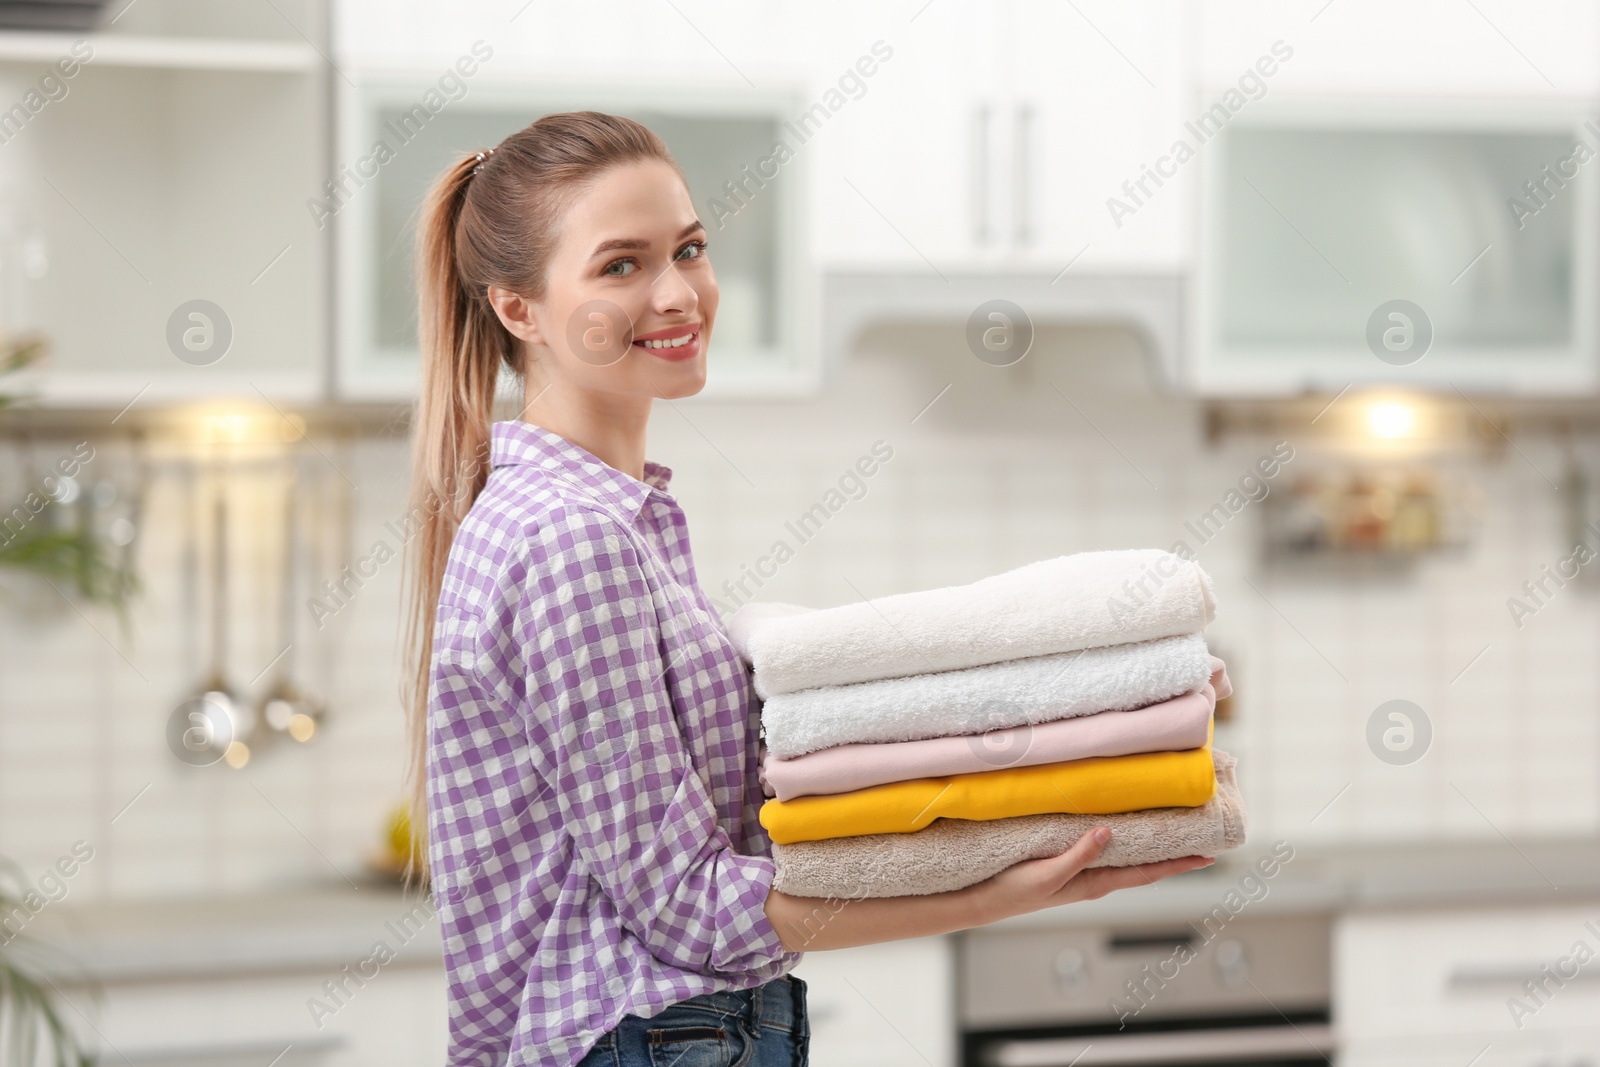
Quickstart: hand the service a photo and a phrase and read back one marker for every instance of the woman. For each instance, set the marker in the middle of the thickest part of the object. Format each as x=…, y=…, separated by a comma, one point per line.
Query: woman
x=584, y=730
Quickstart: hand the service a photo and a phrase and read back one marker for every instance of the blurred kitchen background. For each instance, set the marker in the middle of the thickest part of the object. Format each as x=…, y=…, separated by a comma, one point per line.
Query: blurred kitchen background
x=1307, y=288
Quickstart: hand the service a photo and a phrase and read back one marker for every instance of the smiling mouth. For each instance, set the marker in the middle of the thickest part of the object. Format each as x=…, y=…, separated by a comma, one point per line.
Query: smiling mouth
x=669, y=342
x=676, y=344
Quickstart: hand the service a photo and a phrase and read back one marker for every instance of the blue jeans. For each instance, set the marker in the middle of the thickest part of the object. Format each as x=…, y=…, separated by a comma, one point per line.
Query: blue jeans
x=765, y=1026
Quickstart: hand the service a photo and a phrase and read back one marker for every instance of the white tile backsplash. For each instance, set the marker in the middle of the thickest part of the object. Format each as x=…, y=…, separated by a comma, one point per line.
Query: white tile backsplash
x=996, y=474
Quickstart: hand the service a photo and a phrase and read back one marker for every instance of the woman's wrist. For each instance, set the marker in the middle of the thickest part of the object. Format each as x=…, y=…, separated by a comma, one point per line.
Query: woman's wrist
x=978, y=905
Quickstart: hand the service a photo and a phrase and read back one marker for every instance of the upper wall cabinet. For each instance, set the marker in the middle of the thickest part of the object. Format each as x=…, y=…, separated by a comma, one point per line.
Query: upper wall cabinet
x=1432, y=245
x=901, y=162
x=1098, y=91
x=1500, y=48
x=154, y=176
x=995, y=136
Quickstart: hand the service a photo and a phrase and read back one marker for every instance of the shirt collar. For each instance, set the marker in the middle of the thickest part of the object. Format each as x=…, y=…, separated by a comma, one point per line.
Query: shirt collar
x=514, y=443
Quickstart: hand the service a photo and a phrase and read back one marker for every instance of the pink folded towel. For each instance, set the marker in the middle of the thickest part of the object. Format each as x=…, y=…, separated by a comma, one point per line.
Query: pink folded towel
x=1176, y=724
x=955, y=853
x=1219, y=679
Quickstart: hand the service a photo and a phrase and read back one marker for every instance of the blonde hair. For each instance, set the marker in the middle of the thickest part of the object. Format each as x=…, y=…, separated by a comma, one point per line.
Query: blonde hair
x=491, y=218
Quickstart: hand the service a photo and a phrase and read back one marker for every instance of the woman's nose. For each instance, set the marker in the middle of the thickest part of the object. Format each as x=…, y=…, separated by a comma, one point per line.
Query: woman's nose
x=671, y=292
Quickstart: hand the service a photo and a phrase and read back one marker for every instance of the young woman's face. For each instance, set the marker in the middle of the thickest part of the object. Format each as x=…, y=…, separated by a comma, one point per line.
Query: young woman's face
x=631, y=295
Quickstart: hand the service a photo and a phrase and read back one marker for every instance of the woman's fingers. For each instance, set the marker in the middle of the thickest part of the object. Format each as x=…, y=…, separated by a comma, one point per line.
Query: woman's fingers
x=1097, y=882
x=1031, y=884
x=1062, y=879
x=1060, y=870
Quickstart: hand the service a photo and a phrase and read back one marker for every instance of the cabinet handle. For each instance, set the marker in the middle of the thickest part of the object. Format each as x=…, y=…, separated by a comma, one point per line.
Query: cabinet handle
x=1469, y=977
x=1021, y=185
x=1234, y=1045
x=980, y=174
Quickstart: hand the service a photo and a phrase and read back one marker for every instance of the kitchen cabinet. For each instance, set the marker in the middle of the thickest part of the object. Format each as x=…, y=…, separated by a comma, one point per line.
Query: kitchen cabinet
x=1415, y=989
x=1446, y=245
x=235, y=981
x=883, y=1005
x=995, y=136
x=1425, y=48
x=905, y=177
x=1101, y=86
x=245, y=1020
x=152, y=207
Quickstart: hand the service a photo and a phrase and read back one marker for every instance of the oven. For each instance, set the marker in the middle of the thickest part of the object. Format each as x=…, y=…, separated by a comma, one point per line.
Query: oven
x=1240, y=989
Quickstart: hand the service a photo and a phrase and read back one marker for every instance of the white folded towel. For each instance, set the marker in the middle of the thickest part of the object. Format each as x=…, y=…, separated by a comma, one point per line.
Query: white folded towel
x=1063, y=604
x=974, y=700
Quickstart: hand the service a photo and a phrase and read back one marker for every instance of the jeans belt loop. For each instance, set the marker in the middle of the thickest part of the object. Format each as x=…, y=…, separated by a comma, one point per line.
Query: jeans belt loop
x=755, y=1011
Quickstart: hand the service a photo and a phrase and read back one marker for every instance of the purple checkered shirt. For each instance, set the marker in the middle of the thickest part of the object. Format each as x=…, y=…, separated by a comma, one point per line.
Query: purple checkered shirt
x=592, y=780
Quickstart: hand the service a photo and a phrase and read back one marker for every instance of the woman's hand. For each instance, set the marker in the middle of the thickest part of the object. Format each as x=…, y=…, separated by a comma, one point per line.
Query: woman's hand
x=1044, y=883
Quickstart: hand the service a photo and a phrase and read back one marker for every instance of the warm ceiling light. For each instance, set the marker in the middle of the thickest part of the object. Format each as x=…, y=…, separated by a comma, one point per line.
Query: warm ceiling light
x=236, y=755
x=230, y=427
x=1391, y=419
x=241, y=423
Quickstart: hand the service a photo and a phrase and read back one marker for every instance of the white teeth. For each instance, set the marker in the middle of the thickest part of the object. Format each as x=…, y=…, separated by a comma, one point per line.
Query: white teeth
x=675, y=342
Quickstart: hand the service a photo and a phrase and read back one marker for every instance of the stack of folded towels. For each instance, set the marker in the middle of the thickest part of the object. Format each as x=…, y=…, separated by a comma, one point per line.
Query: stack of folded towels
x=922, y=742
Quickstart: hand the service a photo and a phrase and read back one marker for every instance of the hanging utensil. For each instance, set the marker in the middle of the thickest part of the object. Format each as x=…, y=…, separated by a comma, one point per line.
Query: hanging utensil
x=285, y=708
x=222, y=724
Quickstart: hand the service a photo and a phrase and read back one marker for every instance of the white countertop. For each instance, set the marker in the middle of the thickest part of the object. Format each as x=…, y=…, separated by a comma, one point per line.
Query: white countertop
x=1397, y=875
x=313, y=928
x=305, y=929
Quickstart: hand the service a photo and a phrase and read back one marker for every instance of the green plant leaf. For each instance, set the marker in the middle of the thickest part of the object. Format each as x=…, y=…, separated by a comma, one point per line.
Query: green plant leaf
x=30, y=1019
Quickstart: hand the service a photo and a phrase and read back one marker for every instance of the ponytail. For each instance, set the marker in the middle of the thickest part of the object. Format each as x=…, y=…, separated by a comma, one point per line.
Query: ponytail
x=489, y=219
x=450, y=439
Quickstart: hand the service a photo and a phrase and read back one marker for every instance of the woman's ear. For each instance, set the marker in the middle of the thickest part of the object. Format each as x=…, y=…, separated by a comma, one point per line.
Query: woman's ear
x=516, y=313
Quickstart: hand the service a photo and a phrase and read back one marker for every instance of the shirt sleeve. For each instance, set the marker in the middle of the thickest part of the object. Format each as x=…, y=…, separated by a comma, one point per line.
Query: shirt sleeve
x=639, y=814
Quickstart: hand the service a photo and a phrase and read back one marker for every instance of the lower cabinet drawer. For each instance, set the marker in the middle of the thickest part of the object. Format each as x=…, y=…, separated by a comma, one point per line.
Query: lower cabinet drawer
x=1545, y=1050
x=1518, y=981
x=285, y=1019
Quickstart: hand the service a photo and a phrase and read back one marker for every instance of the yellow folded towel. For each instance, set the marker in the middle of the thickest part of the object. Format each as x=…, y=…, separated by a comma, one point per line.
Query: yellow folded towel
x=1104, y=785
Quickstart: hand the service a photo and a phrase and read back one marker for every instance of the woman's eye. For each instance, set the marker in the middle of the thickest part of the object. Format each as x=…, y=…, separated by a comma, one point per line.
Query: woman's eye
x=692, y=250
x=612, y=267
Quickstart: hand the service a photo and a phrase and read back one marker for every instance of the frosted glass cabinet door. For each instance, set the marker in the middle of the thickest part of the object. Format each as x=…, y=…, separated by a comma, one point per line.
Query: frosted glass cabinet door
x=1311, y=229
x=757, y=343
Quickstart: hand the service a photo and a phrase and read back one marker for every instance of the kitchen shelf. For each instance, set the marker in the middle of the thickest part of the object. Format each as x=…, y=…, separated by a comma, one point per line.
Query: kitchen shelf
x=172, y=53
x=1470, y=421
x=172, y=175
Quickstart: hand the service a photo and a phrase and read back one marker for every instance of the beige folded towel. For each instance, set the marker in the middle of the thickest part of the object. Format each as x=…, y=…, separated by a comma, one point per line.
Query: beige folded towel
x=955, y=853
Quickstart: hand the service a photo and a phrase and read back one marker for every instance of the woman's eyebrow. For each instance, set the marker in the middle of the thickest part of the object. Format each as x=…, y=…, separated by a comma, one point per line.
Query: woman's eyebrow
x=633, y=243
